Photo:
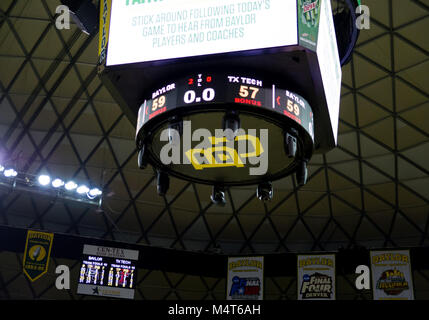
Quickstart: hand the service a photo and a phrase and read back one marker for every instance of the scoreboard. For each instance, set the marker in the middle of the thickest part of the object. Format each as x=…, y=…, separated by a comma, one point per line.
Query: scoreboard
x=108, y=272
x=202, y=99
x=267, y=65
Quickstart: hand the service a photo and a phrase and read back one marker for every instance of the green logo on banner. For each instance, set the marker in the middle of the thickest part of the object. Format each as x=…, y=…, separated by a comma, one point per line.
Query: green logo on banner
x=37, y=253
x=308, y=21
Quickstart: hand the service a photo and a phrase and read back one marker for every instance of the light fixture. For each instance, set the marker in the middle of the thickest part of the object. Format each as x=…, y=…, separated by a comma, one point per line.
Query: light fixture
x=82, y=189
x=57, y=183
x=71, y=185
x=218, y=196
x=10, y=173
x=51, y=186
x=44, y=180
x=94, y=192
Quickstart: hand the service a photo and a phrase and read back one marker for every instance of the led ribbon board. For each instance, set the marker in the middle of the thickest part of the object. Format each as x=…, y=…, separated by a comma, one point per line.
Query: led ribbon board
x=214, y=88
x=144, y=31
x=201, y=100
x=108, y=272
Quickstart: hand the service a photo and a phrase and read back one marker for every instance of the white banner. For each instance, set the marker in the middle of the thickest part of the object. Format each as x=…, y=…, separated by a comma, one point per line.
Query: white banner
x=245, y=278
x=143, y=31
x=316, y=277
x=391, y=275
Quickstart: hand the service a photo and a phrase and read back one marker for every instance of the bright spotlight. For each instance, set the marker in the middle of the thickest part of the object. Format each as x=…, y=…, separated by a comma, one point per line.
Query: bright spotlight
x=57, y=183
x=70, y=185
x=10, y=173
x=95, y=192
x=1, y=168
x=44, y=180
x=82, y=189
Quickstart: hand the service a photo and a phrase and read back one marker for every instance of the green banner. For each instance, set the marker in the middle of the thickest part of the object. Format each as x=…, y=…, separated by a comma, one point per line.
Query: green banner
x=308, y=23
x=36, y=255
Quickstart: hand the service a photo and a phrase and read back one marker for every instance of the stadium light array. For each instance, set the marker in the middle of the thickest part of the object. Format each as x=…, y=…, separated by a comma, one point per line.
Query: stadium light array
x=45, y=184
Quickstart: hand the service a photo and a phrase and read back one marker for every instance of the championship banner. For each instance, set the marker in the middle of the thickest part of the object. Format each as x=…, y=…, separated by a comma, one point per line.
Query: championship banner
x=108, y=272
x=36, y=254
x=245, y=278
x=316, y=277
x=391, y=275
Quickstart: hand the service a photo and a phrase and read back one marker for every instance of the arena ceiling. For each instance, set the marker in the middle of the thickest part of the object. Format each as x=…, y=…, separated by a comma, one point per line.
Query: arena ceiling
x=372, y=190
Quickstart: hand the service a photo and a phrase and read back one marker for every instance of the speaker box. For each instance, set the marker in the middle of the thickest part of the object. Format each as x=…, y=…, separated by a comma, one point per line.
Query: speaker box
x=84, y=13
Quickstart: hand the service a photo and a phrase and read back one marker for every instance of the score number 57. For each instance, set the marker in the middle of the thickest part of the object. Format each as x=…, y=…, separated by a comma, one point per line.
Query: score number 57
x=245, y=91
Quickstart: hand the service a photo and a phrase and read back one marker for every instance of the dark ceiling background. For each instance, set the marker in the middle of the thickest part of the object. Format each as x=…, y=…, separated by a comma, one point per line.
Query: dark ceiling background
x=372, y=190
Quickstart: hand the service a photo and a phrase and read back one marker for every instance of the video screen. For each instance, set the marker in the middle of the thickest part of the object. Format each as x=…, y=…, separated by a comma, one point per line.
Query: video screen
x=108, y=272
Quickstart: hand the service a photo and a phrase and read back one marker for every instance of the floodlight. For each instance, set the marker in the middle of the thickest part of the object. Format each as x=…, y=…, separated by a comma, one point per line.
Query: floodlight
x=71, y=185
x=93, y=193
x=82, y=189
x=57, y=183
x=44, y=180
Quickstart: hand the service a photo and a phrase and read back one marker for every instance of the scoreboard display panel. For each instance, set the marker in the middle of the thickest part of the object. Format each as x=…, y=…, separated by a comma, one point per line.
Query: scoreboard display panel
x=143, y=31
x=108, y=272
x=202, y=99
x=205, y=89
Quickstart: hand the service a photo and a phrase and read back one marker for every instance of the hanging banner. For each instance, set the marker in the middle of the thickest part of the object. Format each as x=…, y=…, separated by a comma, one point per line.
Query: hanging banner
x=105, y=8
x=316, y=277
x=36, y=254
x=308, y=23
x=108, y=272
x=245, y=280
x=391, y=275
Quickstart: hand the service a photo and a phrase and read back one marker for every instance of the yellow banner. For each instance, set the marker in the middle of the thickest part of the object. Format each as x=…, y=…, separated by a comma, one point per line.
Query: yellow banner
x=105, y=8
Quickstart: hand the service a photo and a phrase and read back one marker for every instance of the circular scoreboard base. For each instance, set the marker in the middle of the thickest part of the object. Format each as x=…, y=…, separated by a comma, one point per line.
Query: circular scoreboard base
x=225, y=130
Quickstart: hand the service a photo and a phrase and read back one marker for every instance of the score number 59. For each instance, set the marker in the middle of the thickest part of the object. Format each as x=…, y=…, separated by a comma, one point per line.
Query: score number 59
x=158, y=103
x=293, y=107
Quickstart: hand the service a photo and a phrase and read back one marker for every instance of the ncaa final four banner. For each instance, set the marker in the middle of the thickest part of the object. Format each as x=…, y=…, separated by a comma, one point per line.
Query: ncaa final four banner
x=391, y=275
x=245, y=278
x=316, y=277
